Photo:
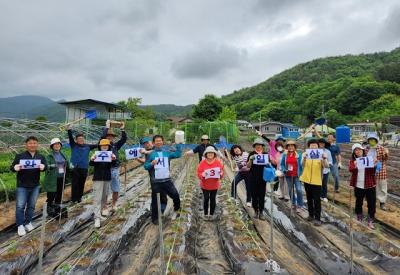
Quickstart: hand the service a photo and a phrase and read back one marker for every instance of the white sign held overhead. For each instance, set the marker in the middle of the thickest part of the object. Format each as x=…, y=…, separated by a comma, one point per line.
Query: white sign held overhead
x=133, y=153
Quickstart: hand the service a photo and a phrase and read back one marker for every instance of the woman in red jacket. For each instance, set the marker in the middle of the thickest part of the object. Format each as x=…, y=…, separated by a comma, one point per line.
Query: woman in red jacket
x=210, y=172
x=364, y=183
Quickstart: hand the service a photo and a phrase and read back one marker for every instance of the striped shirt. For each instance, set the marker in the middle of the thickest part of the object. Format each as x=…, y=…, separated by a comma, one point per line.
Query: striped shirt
x=241, y=162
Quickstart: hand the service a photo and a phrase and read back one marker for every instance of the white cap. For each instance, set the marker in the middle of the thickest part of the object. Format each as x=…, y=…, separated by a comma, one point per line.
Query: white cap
x=374, y=136
x=204, y=137
x=355, y=146
x=210, y=149
x=54, y=141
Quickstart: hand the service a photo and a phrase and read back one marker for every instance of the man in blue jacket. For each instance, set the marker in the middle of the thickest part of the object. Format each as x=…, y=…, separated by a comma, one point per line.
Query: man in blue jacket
x=158, y=165
x=115, y=147
x=80, y=164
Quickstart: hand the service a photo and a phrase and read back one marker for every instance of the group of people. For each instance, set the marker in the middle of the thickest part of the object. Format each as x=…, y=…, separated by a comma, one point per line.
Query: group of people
x=57, y=168
x=294, y=169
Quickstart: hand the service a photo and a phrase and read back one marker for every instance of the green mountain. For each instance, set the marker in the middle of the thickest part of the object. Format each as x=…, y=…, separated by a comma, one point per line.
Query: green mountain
x=345, y=88
x=31, y=107
x=167, y=110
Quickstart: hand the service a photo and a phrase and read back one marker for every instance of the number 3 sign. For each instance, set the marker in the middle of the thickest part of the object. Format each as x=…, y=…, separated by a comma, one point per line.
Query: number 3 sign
x=213, y=173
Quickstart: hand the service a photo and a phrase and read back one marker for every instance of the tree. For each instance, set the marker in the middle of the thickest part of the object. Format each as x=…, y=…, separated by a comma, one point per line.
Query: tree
x=334, y=118
x=41, y=118
x=208, y=108
x=227, y=114
x=390, y=72
x=132, y=105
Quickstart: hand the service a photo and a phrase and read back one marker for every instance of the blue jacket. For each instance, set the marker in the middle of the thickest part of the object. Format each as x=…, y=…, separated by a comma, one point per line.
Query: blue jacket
x=299, y=166
x=80, y=153
x=155, y=154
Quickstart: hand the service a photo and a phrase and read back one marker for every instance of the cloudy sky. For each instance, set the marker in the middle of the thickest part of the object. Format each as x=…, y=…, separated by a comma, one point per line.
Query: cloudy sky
x=177, y=51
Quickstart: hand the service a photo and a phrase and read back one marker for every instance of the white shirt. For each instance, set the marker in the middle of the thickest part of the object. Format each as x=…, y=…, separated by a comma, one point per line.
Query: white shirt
x=330, y=161
x=372, y=153
x=361, y=178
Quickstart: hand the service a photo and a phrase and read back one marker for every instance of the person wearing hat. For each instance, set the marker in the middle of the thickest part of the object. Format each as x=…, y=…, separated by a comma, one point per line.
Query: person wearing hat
x=79, y=162
x=240, y=157
x=115, y=147
x=276, y=163
x=55, y=176
x=210, y=172
x=199, y=149
x=312, y=179
x=324, y=145
x=146, y=151
x=258, y=159
x=364, y=182
x=101, y=181
x=271, y=143
x=375, y=150
x=292, y=168
x=28, y=183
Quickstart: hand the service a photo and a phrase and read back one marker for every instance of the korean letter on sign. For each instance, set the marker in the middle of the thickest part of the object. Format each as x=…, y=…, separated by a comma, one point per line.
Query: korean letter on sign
x=365, y=162
x=161, y=169
x=103, y=156
x=133, y=153
x=261, y=159
x=30, y=163
x=314, y=154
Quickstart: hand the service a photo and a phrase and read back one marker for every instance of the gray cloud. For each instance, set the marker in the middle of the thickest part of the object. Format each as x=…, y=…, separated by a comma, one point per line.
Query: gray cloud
x=207, y=61
x=177, y=51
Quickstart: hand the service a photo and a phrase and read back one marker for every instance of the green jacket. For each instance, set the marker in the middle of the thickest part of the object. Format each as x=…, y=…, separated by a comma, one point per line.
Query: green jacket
x=50, y=180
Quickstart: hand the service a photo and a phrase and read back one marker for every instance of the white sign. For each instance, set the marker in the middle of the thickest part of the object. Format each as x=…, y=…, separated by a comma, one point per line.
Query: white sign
x=133, y=153
x=213, y=173
x=103, y=156
x=30, y=163
x=365, y=162
x=290, y=167
x=314, y=154
x=261, y=159
x=161, y=169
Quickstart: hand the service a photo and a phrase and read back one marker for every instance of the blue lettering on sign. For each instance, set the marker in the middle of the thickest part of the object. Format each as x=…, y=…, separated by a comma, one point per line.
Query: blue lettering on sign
x=103, y=155
x=161, y=161
x=133, y=152
x=314, y=154
x=29, y=163
x=260, y=158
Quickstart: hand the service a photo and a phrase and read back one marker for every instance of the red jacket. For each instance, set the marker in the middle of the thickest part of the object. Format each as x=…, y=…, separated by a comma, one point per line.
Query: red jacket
x=209, y=183
x=370, y=181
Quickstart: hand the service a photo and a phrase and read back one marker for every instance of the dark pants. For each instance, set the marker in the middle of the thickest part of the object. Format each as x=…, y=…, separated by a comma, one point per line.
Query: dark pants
x=313, y=193
x=210, y=198
x=324, y=190
x=79, y=176
x=166, y=187
x=258, y=189
x=238, y=178
x=370, y=194
x=163, y=199
x=55, y=197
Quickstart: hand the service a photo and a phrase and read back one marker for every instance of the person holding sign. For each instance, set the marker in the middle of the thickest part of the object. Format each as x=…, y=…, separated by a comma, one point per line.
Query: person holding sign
x=258, y=159
x=80, y=164
x=102, y=161
x=362, y=169
x=146, y=151
x=313, y=162
x=115, y=147
x=158, y=166
x=54, y=181
x=324, y=145
x=292, y=168
x=375, y=150
x=210, y=172
x=28, y=166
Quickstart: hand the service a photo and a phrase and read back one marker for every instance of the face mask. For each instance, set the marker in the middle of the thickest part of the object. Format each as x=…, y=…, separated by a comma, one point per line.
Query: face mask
x=372, y=142
x=280, y=148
